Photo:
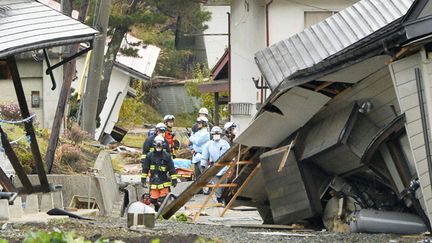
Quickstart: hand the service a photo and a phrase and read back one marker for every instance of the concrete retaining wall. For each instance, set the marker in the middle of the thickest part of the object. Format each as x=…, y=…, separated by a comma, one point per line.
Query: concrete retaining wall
x=103, y=187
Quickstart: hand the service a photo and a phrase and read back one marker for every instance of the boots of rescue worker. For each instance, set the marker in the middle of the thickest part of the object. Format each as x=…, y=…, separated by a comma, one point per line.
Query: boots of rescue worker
x=160, y=201
x=158, y=165
x=155, y=203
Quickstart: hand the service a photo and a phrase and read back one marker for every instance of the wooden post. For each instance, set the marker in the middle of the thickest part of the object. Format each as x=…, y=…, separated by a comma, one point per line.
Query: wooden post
x=242, y=187
x=200, y=182
x=25, y=113
x=5, y=182
x=219, y=183
x=216, y=108
x=68, y=74
x=15, y=162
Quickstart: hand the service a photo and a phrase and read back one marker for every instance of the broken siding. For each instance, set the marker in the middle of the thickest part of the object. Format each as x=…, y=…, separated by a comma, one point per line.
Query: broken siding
x=378, y=89
x=287, y=194
x=404, y=81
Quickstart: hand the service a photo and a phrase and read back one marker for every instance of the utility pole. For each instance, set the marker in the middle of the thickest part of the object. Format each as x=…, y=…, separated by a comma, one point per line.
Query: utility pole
x=68, y=73
x=91, y=94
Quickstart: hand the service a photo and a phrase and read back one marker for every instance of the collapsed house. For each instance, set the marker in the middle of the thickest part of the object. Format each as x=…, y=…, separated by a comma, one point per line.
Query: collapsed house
x=341, y=139
x=351, y=96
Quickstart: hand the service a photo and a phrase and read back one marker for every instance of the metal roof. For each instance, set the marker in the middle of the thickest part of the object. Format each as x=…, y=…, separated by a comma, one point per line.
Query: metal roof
x=283, y=60
x=144, y=63
x=27, y=25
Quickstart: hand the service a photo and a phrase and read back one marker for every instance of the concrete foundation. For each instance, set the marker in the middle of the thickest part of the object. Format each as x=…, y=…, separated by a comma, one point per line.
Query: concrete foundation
x=102, y=187
x=4, y=210
x=58, y=199
x=46, y=202
x=32, y=204
x=16, y=210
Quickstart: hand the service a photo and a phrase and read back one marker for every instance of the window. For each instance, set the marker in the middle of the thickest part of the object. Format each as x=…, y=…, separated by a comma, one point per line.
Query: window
x=4, y=70
x=314, y=17
x=241, y=109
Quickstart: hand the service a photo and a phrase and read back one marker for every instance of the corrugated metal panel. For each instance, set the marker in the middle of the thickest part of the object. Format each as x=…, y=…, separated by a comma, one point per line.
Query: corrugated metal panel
x=327, y=38
x=147, y=57
x=27, y=25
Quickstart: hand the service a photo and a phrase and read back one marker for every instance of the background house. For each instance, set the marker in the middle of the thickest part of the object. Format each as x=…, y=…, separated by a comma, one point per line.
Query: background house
x=255, y=25
x=125, y=69
x=171, y=96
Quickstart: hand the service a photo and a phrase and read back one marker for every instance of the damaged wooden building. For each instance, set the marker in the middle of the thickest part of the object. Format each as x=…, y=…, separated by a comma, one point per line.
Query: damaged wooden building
x=352, y=97
x=344, y=137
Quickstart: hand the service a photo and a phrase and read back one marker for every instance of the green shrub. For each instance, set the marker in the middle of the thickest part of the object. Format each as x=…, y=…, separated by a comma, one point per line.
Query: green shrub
x=25, y=157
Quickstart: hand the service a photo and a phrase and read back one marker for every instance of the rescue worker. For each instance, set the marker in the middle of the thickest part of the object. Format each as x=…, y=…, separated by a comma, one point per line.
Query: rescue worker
x=198, y=140
x=229, y=129
x=169, y=134
x=212, y=151
x=160, y=167
x=203, y=112
x=148, y=144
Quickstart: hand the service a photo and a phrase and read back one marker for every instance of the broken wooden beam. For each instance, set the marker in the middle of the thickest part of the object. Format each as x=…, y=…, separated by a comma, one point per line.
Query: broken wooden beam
x=240, y=190
x=25, y=113
x=200, y=182
x=15, y=162
x=221, y=185
x=5, y=182
x=218, y=184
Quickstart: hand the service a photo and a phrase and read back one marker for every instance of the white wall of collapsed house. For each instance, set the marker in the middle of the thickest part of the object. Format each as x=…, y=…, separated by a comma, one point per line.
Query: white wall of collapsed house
x=404, y=80
x=248, y=35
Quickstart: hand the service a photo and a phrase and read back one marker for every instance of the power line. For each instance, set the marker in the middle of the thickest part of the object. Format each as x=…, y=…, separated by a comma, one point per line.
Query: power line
x=310, y=5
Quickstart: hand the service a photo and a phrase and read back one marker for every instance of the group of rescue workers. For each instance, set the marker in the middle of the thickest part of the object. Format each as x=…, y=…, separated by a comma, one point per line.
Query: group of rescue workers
x=207, y=144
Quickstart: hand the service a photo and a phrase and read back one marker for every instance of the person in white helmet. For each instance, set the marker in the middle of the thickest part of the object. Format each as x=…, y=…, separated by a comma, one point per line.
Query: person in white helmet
x=198, y=140
x=229, y=129
x=203, y=112
x=169, y=134
x=148, y=143
x=212, y=151
x=159, y=166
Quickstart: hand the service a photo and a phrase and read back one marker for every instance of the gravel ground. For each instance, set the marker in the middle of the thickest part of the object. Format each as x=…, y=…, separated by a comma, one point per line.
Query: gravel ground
x=169, y=231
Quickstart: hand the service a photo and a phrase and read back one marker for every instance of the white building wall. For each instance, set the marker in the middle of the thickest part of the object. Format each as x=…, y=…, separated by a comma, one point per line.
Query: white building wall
x=403, y=75
x=216, y=44
x=117, y=91
x=287, y=18
x=50, y=97
x=32, y=80
x=248, y=35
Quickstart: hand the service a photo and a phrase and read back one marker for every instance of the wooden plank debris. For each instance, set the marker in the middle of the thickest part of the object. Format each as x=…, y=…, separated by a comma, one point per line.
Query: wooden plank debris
x=222, y=179
x=272, y=226
x=240, y=190
x=200, y=182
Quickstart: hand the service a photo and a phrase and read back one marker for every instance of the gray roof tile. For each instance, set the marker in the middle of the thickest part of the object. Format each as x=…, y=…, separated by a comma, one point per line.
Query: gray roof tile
x=27, y=25
x=330, y=37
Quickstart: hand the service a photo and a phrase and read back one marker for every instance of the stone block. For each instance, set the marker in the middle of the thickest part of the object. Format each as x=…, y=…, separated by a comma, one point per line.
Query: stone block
x=46, y=202
x=4, y=210
x=32, y=204
x=16, y=210
x=58, y=199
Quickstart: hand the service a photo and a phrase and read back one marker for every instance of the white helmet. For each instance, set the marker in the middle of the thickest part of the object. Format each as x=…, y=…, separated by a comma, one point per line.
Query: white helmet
x=169, y=117
x=216, y=130
x=159, y=141
x=160, y=126
x=203, y=120
x=203, y=111
x=229, y=125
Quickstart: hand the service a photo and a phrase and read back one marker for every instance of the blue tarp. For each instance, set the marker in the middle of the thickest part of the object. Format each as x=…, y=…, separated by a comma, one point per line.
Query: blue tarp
x=182, y=163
